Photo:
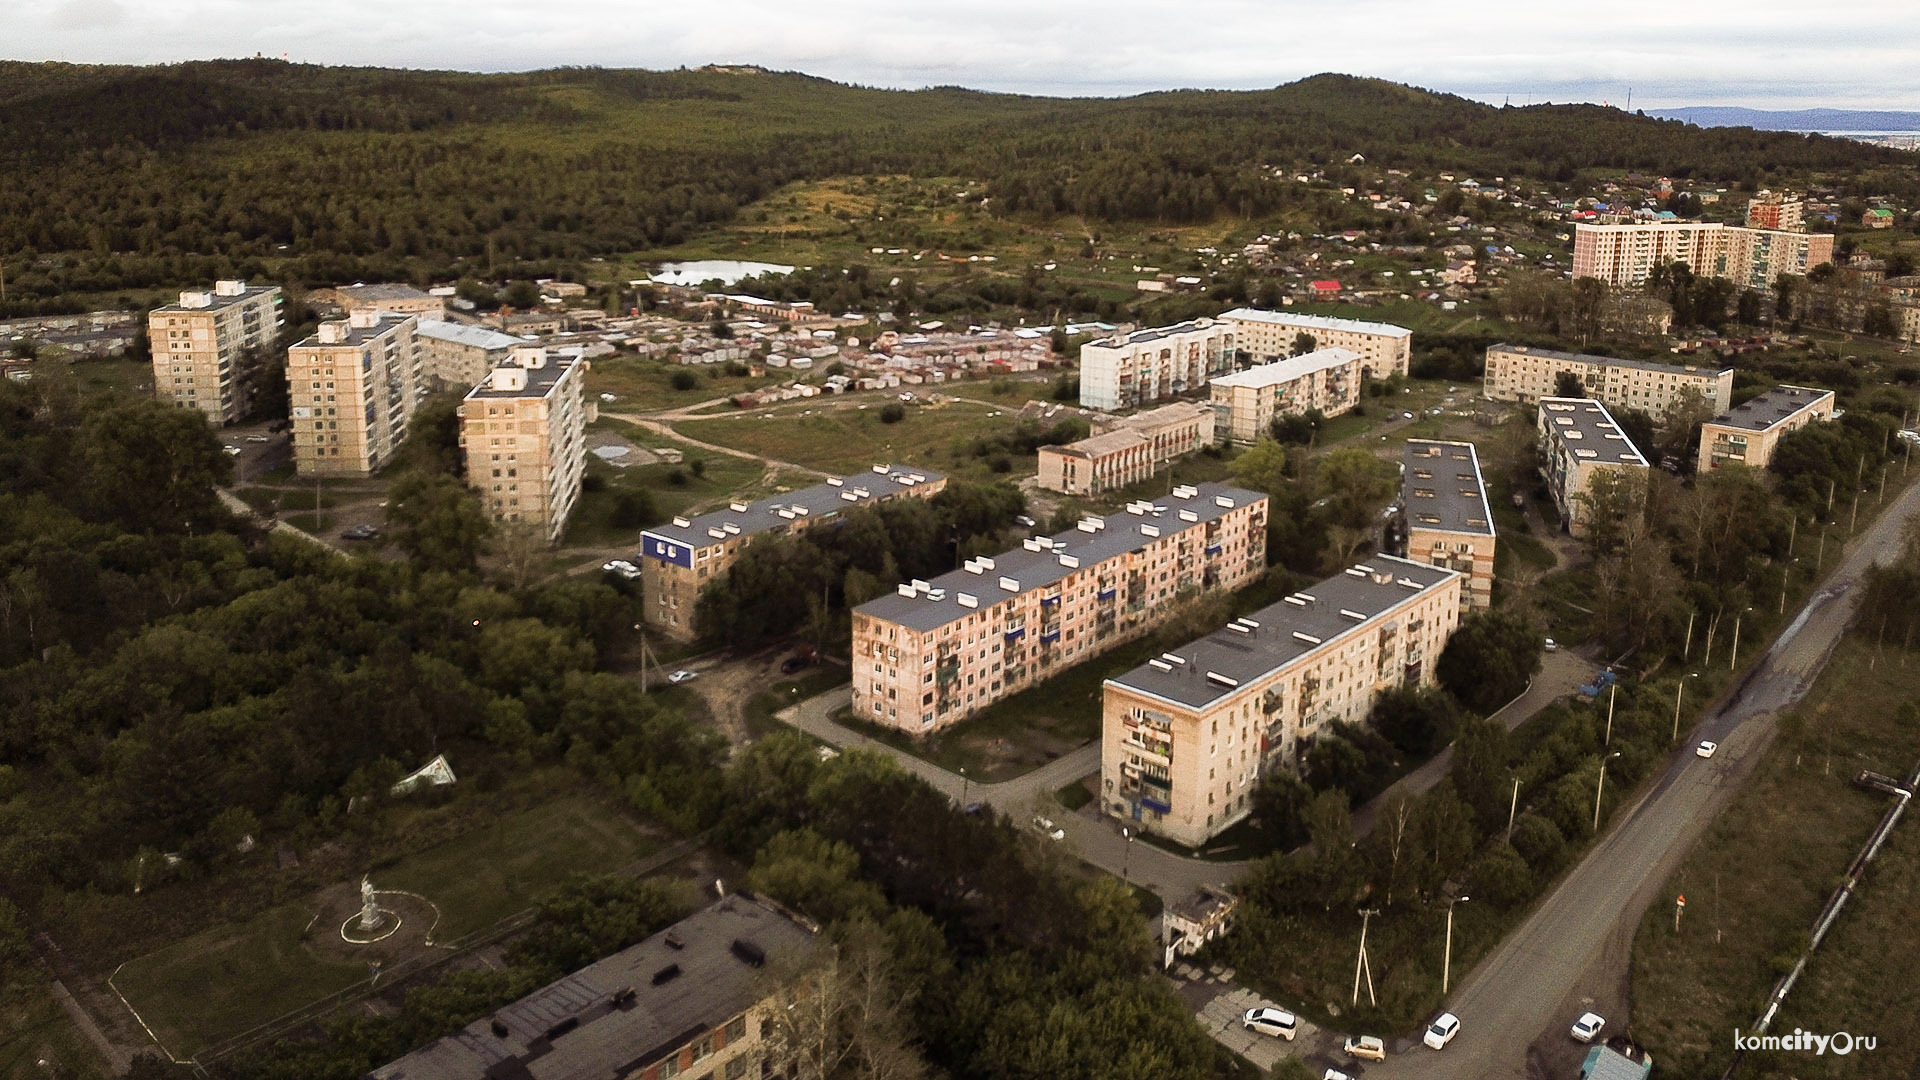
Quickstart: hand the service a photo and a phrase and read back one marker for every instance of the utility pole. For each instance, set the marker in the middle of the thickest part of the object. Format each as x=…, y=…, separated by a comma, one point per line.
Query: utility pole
x=1598, y=788
x=1446, y=965
x=1820, y=560
x=1360, y=965
x=1734, y=660
x=1679, y=689
x=1612, y=692
x=1512, y=807
x=1854, y=518
x=1793, y=531
x=1829, y=496
x=1687, y=649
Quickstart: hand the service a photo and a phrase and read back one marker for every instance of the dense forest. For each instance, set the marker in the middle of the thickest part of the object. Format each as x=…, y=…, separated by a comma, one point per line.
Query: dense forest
x=117, y=178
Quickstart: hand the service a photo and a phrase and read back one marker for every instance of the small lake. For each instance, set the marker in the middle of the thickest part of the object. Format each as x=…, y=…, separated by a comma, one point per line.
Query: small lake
x=727, y=270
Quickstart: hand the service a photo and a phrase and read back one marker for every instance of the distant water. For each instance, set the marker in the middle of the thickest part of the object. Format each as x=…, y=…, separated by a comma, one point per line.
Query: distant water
x=1899, y=140
x=727, y=270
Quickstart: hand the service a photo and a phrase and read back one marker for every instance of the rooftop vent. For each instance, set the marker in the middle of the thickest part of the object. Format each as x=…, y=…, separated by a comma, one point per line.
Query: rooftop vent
x=748, y=953
x=834, y=481
x=666, y=974
x=1308, y=638
x=1009, y=584
x=1216, y=677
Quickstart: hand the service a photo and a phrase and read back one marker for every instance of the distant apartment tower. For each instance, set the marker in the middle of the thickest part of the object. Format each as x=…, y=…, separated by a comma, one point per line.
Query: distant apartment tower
x=1186, y=736
x=352, y=387
x=679, y=559
x=524, y=430
x=1748, y=433
x=934, y=652
x=1265, y=336
x=1133, y=449
x=458, y=356
x=1448, y=520
x=1579, y=441
x=1525, y=374
x=396, y=299
x=1126, y=371
x=209, y=348
x=1776, y=210
x=1246, y=403
x=1625, y=256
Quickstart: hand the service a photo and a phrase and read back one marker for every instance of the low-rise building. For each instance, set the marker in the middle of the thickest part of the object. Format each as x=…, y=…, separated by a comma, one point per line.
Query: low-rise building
x=1748, y=433
x=456, y=355
x=524, y=431
x=1186, y=736
x=1527, y=374
x=1265, y=336
x=695, y=1000
x=1125, y=371
x=1191, y=923
x=209, y=350
x=1132, y=449
x=1447, y=518
x=1246, y=403
x=933, y=652
x=677, y=560
x=396, y=298
x=1580, y=441
x=352, y=387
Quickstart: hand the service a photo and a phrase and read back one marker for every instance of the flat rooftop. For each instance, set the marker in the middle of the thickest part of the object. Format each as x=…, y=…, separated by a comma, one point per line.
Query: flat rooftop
x=780, y=511
x=1317, y=322
x=1610, y=361
x=1772, y=407
x=478, y=337
x=383, y=291
x=1285, y=371
x=217, y=300
x=540, y=380
x=1154, y=333
x=1042, y=562
x=620, y=1014
x=1111, y=442
x=1588, y=431
x=356, y=336
x=1441, y=488
x=1251, y=648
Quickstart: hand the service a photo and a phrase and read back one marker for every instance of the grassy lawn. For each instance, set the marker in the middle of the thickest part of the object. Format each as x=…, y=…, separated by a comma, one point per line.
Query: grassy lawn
x=1757, y=879
x=761, y=707
x=34, y=1028
x=669, y=489
x=847, y=440
x=645, y=385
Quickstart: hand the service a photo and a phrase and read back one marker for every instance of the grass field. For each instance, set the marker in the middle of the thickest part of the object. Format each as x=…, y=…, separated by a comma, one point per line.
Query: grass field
x=846, y=440
x=34, y=1028
x=645, y=385
x=720, y=477
x=1755, y=882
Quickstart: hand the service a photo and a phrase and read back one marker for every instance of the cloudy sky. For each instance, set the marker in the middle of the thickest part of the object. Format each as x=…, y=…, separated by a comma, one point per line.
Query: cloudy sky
x=1760, y=53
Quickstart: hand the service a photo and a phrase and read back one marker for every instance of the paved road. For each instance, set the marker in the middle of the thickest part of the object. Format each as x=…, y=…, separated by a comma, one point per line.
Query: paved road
x=1577, y=945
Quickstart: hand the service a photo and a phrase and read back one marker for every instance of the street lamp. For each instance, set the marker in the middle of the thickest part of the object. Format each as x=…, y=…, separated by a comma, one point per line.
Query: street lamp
x=1598, y=788
x=1734, y=660
x=1126, y=860
x=963, y=787
x=1446, y=965
x=1679, y=689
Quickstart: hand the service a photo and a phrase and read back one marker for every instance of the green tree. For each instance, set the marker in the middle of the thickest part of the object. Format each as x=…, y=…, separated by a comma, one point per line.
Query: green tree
x=1489, y=660
x=1502, y=878
x=1304, y=343
x=1479, y=770
x=821, y=877
x=1417, y=721
x=433, y=438
x=439, y=522
x=1262, y=466
x=1569, y=385
x=151, y=467
x=522, y=294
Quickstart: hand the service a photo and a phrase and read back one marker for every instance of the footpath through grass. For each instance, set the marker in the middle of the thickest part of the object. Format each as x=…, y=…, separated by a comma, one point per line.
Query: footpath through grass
x=1758, y=878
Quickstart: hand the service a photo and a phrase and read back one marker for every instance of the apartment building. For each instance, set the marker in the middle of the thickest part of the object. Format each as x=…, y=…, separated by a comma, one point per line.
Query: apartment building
x=1265, y=336
x=456, y=356
x=1133, y=449
x=694, y=1000
x=1626, y=255
x=353, y=386
x=1245, y=403
x=933, y=652
x=524, y=431
x=1126, y=371
x=1747, y=433
x=1579, y=441
x=1776, y=210
x=1186, y=736
x=209, y=349
x=390, y=297
x=1525, y=374
x=677, y=560
x=1447, y=518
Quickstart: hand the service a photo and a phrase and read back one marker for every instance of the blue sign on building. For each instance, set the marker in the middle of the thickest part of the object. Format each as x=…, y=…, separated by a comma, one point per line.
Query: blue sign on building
x=670, y=551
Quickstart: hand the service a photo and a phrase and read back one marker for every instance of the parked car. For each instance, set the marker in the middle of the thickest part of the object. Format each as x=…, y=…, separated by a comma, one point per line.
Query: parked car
x=622, y=569
x=1589, y=1025
x=1025, y=521
x=1552, y=645
x=792, y=664
x=1706, y=748
x=359, y=532
x=1369, y=1047
x=1335, y=1074
x=1270, y=1021
x=1441, y=1031
x=231, y=450
x=258, y=438
x=1049, y=829
x=683, y=675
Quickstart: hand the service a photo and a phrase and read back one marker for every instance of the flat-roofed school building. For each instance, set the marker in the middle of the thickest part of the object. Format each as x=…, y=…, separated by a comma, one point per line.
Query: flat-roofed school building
x=1448, y=520
x=1131, y=450
x=1579, y=441
x=1748, y=433
x=1186, y=736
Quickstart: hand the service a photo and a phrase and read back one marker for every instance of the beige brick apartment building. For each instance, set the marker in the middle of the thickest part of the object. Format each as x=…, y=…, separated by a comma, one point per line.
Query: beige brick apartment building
x=933, y=652
x=1448, y=520
x=1132, y=449
x=677, y=560
x=1265, y=336
x=524, y=431
x=1748, y=433
x=210, y=348
x=1246, y=403
x=1125, y=371
x=1526, y=374
x=1186, y=736
x=458, y=356
x=1624, y=256
x=1579, y=441
x=353, y=386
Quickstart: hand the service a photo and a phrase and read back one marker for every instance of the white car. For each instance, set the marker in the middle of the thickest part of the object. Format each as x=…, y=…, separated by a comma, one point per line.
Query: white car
x=1552, y=645
x=1706, y=748
x=622, y=569
x=1406, y=416
x=1047, y=827
x=1441, y=1031
x=1589, y=1025
x=1335, y=1074
x=1269, y=1021
x=230, y=450
x=683, y=675
x=258, y=438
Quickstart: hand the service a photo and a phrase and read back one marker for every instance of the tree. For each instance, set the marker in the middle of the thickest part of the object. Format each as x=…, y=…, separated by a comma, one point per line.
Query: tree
x=812, y=874
x=151, y=467
x=1304, y=343
x=1262, y=466
x=522, y=294
x=1280, y=805
x=1479, y=770
x=1356, y=486
x=433, y=437
x=1568, y=384
x=1330, y=830
x=1418, y=721
x=1489, y=660
x=1502, y=878
x=440, y=523
x=892, y=412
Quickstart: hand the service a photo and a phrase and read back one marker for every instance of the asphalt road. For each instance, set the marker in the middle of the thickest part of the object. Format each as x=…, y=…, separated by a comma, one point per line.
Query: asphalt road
x=1573, y=952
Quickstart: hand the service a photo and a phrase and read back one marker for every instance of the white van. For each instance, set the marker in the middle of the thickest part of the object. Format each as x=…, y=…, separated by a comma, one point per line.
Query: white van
x=1268, y=1021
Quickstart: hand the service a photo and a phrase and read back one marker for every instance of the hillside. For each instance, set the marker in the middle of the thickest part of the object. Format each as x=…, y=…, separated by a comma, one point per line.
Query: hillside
x=124, y=178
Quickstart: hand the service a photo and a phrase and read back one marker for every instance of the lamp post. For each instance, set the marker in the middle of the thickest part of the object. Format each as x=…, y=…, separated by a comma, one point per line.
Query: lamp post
x=1679, y=689
x=1126, y=860
x=1512, y=807
x=1446, y=965
x=1598, y=788
x=963, y=787
x=1734, y=660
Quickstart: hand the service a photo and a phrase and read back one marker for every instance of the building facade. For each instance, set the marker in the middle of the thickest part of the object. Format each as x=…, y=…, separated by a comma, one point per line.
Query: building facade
x=1579, y=442
x=352, y=387
x=1776, y=210
x=1748, y=433
x=1246, y=403
x=1133, y=449
x=209, y=350
x=1265, y=336
x=524, y=431
x=934, y=652
x=1525, y=374
x=396, y=299
x=457, y=356
x=1447, y=518
x=1625, y=255
x=1126, y=371
x=1186, y=737
x=677, y=560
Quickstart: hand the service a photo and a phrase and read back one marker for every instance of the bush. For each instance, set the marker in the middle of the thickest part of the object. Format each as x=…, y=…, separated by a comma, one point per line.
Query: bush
x=684, y=380
x=632, y=510
x=1539, y=841
x=893, y=412
x=678, y=478
x=1503, y=878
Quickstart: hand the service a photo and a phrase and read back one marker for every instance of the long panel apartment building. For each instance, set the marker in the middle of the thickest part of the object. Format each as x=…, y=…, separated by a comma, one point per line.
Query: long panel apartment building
x=1126, y=371
x=1265, y=336
x=1132, y=449
x=1626, y=255
x=524, y=431
x=353, y=386
x=1526, y=374
x=677, y=560
x=1748, y=433
x=210, y=348
x=934, y=652
x=457, y=355
x=1186, y=736
x=1246, y=403
x=1579, y=442
x=1448, y=520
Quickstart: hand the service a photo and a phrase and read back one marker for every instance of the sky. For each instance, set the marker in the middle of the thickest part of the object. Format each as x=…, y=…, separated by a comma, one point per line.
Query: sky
x=1759, y=53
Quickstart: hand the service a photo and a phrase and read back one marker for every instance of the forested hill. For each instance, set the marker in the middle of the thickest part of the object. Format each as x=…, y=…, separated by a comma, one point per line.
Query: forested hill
x=140, y=177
